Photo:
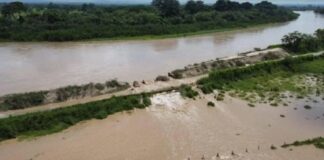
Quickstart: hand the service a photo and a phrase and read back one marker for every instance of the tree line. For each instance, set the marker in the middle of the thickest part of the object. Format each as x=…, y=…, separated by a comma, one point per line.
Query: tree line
x=52, y=22
x=297, y=42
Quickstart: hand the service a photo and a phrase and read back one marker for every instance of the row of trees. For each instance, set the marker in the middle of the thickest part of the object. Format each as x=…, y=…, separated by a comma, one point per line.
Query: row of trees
x=301, y=43
x=19, y=22
x=172, y=7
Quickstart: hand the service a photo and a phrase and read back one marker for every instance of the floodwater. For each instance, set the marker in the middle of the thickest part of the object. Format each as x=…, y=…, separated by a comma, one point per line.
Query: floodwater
x=36, y=66
x=173, y=128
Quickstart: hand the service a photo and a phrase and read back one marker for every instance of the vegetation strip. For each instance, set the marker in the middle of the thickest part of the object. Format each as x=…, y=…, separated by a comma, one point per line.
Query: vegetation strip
x=317, y=142
x=40, y=123
x=53, y=22
x=31, y=99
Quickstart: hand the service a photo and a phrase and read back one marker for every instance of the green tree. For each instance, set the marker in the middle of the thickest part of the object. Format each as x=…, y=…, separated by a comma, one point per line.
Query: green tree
x=226, y=5
x=320, y=35
x=13, y=7
x=167, y=8
x=299, y=43
x=265, y=5
x=193, y=7
x=246, y=5
x=292, y=40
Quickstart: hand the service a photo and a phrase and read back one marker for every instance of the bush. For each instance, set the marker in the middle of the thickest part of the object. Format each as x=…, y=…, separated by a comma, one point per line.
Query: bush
x=308, y=107
x=99, y=86
x=186, y=91
x=211, y=104
x=24, y=100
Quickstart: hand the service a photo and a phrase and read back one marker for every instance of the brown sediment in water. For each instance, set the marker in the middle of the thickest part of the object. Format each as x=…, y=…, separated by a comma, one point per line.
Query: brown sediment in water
x=174, y=128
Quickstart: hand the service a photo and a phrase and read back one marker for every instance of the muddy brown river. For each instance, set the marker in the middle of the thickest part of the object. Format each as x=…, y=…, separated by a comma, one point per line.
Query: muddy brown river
x=41, y=65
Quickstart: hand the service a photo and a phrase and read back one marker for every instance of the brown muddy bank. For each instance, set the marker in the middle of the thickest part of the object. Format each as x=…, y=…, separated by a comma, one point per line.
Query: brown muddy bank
x=243, y=59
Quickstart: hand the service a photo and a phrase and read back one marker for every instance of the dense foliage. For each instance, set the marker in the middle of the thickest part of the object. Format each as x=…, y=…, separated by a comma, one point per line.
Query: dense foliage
x=224, y=79
x=302, y=43
x=55, y=120
x=21, y=22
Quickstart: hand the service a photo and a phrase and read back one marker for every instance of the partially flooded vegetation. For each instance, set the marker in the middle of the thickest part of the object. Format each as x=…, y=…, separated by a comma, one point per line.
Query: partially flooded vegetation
x=31, y=99
x=317, y=142
x=270, y=82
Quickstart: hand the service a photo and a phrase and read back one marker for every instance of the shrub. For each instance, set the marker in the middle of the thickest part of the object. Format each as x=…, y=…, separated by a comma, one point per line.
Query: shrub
x=186, y=91
x=251, y=105
x=307, y=107
x=211, y=104
x=99, y=86
x=272, y=147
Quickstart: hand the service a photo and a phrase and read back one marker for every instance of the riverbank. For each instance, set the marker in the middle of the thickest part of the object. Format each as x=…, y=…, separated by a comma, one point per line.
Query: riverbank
x=182, y=35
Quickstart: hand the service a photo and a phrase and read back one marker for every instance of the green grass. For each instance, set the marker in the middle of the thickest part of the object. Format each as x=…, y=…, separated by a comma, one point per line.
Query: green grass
x=317, y=142
x=265, y=82
x=312, y=67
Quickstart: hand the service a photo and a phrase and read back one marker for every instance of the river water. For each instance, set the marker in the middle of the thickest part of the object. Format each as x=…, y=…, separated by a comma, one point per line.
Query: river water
x=41, y=65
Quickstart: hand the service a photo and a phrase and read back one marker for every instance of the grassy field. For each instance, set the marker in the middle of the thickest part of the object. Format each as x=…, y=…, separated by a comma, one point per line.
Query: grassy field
x=267, y=82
